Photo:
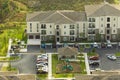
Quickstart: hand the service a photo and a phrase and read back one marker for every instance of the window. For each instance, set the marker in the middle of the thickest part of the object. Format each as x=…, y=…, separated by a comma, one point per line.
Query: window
x=50, y=26
x=64, y=38
x=91, y=25
x=43, y=32
x=91, y=19
x=30, y=36
x=58, y=39
x=113, y=31
x=57, y=27
x=43, y=38
x=57, y=33
x=108, y=31
x=108, y=19
x=72, y=27
x=64, y=26
x=101, y=19
x=30, y=30
x=72, y=32
x=114, y=25
x=101, y=25
x=50, y=32
x=64, y=32
x=114, y=19
x=71, y=38
x=30, y=27
x=43, y=26
x=37, y=28
x=37, y=37
x=30, y=24
x=108, y=25
x=101, y=31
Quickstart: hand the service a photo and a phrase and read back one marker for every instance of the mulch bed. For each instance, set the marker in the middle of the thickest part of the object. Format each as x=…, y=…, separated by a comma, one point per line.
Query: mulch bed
x=75, y=65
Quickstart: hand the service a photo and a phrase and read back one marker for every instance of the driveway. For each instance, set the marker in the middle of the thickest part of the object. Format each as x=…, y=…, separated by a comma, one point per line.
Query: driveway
x=27, y=65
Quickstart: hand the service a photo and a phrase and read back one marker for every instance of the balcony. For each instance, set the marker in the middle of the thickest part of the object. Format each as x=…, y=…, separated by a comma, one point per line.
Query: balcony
x=91, y=31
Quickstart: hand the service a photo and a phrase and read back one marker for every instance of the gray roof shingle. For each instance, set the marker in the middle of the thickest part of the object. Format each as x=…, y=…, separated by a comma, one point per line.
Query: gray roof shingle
x=102, y=10
x=57, y=17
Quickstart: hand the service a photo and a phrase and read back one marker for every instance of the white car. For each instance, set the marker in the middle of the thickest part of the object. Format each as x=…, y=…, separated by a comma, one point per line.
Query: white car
x=42, y=56
x=111, y=57
x=109, y=45
x=95, y=45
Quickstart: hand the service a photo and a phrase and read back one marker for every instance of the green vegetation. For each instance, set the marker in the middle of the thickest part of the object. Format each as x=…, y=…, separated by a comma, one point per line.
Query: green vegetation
x=15, y=10
x=8, y=67
x=60, y=4
x=9, y=58
x=42, y=76
x=55, y=61
x=11, y=30
x=117, y=54
x=92, y=54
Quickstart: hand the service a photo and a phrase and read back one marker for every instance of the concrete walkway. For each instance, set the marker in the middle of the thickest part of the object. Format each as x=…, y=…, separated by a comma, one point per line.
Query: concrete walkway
x=9, y=47
x=49, y=66
x=87, y=64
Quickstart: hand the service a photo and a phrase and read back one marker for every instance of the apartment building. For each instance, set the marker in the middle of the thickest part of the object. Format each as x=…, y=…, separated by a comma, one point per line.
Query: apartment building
x=55, y=26
x=97, y=22
x=103, y=21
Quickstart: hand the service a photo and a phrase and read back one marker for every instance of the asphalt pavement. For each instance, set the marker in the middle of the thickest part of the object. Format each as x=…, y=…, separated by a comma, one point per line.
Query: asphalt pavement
x=27, y=65
x=105, y=63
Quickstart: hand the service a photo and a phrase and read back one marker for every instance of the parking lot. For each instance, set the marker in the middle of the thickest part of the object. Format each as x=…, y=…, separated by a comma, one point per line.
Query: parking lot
x=26, y=65
x=105, y=63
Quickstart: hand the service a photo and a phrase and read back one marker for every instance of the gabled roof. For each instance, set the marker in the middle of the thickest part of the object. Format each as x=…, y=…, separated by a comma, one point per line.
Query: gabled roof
x=102, y=10
x=67, y=51
x=58, y=17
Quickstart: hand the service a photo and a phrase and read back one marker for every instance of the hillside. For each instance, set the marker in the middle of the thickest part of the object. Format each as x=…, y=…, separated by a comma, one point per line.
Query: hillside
x=15, y=10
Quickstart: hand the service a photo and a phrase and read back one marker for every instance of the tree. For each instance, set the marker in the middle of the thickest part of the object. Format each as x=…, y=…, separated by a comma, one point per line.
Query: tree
x=97, y=37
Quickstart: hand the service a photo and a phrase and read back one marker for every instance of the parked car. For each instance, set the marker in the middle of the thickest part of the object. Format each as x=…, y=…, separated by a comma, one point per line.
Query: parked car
x=94, y=63
x=111, y=57
x=109, y=45
x=42, y=56
x=94, y=58
x=95, y=45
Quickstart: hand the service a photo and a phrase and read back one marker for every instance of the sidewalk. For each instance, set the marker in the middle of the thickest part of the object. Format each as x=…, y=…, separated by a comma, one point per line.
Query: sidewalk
x=49, y=66
x=9, y=47
x=87, y=64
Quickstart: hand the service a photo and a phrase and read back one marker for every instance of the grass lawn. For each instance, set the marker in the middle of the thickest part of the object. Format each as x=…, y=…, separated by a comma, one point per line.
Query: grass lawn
x=92, y=54
x=54, y=64
x=118, y=54
x=7, y=67
x=15, y=31
x=66, y=75
x=9, y=58
x=42, y=76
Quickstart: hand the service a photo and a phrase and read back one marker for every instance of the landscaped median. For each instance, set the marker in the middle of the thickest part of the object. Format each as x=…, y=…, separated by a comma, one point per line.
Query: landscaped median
x=7, y=67
x=117, y=54
x=12, y=58
x=74, y=67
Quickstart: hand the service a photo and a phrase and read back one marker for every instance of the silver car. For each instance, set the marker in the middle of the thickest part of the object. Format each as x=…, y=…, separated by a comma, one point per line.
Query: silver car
x=111, y=57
